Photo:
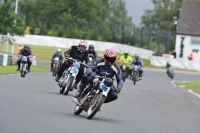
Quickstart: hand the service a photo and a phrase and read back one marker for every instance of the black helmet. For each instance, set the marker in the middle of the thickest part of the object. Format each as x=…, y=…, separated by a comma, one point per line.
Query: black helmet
x=91, y=46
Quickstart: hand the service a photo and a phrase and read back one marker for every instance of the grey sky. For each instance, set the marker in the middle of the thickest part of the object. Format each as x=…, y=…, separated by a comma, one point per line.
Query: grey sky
x=136, y=9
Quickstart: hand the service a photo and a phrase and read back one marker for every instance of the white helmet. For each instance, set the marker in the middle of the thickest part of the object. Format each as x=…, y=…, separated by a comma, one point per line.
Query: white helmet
x=58, y=50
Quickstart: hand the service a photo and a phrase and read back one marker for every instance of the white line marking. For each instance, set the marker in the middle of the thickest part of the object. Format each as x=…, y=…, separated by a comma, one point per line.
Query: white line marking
x=173, y=83
x=194, y=93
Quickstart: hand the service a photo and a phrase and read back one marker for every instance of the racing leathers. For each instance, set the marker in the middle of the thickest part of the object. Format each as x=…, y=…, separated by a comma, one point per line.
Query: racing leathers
x=97, y=69
x=74, y=53
x=59, y=55
x=26, y=53
x=138, y=63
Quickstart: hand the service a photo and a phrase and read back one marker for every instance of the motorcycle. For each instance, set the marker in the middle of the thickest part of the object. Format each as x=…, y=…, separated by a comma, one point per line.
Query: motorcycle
x=125, y=71
x=93, y=96
x=68, y=79
x=23, y=66
x=56, y=66
x=170, y=72
x=135, y=74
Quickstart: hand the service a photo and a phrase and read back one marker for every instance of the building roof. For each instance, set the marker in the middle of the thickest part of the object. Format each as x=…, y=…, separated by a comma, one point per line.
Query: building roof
x=189, y=18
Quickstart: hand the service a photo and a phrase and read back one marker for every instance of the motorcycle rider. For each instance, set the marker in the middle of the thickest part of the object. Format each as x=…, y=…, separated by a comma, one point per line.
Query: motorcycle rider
x=76, y=52
x=167, y=67
x=126, y=59
x=25, y=52
x=138, y=62
x=106, y=64
x=59, y=55
x=92, y=51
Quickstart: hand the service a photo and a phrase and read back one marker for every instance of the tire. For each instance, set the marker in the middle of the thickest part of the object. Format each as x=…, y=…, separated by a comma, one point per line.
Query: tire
x=22, y=74
x=77, y=110
x=101, y=100
x=134, y=77
x=68, y=87
x=54, y=71
x=124, y=76
x=62, y=89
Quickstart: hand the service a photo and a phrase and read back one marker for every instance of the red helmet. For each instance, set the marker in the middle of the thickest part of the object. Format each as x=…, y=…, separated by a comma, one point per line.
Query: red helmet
x=110, y=56
x=83, y=43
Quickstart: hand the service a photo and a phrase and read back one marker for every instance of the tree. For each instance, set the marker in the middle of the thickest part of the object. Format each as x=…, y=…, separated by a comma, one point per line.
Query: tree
x=10, y=22
x=161, y=17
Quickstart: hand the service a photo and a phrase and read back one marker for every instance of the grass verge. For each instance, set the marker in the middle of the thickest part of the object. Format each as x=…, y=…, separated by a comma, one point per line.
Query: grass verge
x=44, y=53
x=4, y=70
x=194, y=85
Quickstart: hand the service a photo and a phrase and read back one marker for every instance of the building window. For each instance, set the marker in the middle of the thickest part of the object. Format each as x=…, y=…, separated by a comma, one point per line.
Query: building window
x=195, y=40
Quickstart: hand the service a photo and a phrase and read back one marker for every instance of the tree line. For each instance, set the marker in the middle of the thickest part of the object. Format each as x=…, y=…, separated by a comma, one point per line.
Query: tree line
x=102, y=20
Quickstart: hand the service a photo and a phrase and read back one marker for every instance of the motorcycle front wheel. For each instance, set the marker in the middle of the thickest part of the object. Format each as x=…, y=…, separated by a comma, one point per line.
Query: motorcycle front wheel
x=95, y=105
x=69, y=85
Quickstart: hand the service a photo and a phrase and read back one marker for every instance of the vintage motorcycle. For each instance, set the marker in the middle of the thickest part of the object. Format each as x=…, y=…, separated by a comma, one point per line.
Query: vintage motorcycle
x=94, y=95
x=125, y=71
x=23, y=66
x=68, y=78
x=170, y=72
x=56, y=66
x=135, y=73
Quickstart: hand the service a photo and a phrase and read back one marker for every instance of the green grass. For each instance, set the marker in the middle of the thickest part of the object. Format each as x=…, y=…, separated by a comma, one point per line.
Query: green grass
x=12, y=69
x=44, y=53
x=194, y=85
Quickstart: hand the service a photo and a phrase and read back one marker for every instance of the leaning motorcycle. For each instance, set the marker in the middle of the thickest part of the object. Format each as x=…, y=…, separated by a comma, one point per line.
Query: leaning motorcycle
x=93, y=96
x=68, y=79
x=135, y=73
x=170, y=72
x=56, y=66
x=23, y=66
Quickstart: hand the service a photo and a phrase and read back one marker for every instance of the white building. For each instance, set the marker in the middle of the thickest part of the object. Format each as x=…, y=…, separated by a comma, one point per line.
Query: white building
x=188, y=31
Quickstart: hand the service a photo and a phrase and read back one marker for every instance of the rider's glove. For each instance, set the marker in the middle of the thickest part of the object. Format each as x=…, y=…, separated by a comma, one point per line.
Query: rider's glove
x=67, y=55
x=118, y=90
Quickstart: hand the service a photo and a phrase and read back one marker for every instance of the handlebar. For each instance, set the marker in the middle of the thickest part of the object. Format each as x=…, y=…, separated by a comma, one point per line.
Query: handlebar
x=77, y=61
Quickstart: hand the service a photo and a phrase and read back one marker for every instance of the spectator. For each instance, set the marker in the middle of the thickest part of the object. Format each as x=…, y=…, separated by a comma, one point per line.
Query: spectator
x=174, y=53
x=18, y=49
x=191, y=57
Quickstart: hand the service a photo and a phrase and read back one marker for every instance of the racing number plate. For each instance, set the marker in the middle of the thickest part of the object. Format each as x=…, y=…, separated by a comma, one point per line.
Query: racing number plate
x=74, y=70
x=104, y=87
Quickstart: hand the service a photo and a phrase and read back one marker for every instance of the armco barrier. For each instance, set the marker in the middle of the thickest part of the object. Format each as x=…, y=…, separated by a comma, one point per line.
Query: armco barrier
x=66, y=43
x=1, y=59
x=176, y=63
x=9, y=59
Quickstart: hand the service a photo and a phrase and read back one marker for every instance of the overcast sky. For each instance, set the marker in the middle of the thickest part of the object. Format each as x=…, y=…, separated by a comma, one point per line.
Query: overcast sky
x=136, y=9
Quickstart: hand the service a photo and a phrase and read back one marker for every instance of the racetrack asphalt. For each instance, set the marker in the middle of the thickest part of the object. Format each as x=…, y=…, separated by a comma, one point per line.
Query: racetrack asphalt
x=33, y=105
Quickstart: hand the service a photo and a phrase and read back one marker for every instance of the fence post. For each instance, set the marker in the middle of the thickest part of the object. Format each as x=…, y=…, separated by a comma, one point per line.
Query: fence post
x=141, y=37
x=167, y=43
x=149, y=36
x=159, y=40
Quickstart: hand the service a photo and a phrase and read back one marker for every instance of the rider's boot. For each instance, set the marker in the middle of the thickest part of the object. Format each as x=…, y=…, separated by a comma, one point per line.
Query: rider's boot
x=57, y=78
x=80, y=89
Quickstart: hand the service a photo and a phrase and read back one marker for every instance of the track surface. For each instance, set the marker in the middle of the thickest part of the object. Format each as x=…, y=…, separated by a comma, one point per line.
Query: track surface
x=153, y=105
